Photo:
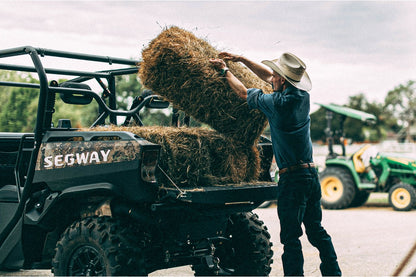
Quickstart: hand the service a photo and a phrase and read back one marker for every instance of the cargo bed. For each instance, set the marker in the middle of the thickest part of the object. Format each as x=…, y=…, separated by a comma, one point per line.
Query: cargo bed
x=230, y=194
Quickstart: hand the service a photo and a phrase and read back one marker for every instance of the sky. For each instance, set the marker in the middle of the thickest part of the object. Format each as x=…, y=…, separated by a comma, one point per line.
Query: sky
x=349, y=47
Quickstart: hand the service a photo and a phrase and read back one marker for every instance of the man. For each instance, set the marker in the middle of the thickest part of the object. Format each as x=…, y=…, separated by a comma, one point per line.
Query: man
x=299, y=192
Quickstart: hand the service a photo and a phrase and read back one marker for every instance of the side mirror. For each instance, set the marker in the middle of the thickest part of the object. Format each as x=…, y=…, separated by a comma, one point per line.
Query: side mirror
x=74, y=98
x=157, y=104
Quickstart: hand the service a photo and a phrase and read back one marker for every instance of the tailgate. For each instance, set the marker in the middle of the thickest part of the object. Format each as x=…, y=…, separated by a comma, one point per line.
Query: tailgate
x=230, y=194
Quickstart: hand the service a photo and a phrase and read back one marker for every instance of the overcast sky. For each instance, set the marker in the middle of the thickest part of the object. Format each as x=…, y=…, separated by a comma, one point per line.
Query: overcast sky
x=348, y=47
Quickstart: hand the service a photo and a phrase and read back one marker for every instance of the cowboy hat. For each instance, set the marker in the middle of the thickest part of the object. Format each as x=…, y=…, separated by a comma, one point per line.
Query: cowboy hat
x=292, y=69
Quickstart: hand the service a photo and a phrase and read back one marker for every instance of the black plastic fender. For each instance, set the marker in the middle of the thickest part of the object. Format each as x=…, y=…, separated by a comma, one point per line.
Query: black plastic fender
x=93, y=193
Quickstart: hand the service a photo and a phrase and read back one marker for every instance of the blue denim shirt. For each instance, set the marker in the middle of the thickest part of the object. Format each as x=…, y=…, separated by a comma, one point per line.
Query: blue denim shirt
x=288, y=116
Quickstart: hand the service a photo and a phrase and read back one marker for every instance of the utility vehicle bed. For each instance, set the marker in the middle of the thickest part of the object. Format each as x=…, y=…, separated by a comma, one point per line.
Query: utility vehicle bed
x=230, y=194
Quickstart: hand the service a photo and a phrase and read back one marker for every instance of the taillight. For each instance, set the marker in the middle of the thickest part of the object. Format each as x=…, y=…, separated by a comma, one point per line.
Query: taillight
x=149, y=164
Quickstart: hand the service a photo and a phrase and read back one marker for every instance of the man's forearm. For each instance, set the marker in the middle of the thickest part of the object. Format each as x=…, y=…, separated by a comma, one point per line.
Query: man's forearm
x=236, y=85
x=262, y=72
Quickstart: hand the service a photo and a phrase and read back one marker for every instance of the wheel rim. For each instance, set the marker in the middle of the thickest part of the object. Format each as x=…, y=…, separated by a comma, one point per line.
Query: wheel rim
x=86, y=261
x=332, y=189
x=400, y=198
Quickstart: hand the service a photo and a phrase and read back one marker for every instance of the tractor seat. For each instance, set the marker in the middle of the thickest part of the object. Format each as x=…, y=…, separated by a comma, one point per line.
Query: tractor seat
x=8, y=193
x=358, y=161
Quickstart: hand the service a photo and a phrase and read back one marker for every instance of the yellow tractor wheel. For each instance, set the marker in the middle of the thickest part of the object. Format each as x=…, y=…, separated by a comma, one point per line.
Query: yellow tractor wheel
x=402, y=197
x=337, y=187
x=332, y=188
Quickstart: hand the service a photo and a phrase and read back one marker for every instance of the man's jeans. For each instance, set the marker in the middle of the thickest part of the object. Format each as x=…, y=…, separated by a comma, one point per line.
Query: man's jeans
x=298, y=201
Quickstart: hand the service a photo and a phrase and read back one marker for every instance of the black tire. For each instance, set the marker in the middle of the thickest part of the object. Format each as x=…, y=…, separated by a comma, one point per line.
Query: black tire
x=338, y=188
x=360, y=198
x=98, y=246
x=248, y=251
x=402, y=197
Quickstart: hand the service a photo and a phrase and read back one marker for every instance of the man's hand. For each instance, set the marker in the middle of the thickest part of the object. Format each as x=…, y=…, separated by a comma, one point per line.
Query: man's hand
x=262, y=72
x=236, y=85
x=230, y=57
x=218, y=63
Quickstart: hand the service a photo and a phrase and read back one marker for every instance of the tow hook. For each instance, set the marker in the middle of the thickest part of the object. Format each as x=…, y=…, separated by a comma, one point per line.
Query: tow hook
x=211, y=263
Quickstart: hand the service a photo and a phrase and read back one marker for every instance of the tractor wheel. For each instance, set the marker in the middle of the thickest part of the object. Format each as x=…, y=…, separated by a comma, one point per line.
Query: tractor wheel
x=360, y=198
x=338, y=188
x=402, y=197
x=246, y=253
x=98, y=246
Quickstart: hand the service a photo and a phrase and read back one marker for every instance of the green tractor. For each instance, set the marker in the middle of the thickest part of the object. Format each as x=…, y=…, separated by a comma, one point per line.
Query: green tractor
x=347, y=181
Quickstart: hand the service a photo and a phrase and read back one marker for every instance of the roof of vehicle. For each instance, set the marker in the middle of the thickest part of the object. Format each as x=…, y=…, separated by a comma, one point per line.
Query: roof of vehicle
x=360, y=115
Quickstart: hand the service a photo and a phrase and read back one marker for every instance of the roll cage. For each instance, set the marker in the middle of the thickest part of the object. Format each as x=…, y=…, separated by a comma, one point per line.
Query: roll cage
x=47, y=92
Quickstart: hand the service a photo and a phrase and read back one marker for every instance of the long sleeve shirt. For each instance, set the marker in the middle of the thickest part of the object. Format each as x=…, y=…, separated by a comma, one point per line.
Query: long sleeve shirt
x=289, y=120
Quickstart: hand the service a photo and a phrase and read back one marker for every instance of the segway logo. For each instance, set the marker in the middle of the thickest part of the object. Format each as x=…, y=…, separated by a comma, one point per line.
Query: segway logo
x=77, y=158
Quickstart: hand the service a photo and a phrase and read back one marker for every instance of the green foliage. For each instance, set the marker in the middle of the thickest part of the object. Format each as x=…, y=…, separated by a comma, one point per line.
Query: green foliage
x=127, y=87
x=18, y=110
x=318, y=125
x=18, y=105
x=358, y=131
x=354, y=129
x=400, y=103
x=80, y=115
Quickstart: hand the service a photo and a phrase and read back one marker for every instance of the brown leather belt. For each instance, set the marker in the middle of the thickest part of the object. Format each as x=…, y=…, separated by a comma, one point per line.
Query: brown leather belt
x=296, y=167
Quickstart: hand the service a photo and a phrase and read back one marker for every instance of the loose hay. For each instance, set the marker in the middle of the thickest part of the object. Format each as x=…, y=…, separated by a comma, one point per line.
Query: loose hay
x=176, y=66
x=197, y=156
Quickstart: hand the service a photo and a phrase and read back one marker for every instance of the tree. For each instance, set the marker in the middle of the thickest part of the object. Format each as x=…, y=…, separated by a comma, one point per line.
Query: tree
x=18, y=105
x=401, y=103
x=357, y=129
x=353, y=128
x=80, y=115
x=318, y=125
x=127, y=88
x=18, y=110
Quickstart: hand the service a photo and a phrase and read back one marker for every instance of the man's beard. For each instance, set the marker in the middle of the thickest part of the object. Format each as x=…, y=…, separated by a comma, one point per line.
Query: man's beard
x=274, y=90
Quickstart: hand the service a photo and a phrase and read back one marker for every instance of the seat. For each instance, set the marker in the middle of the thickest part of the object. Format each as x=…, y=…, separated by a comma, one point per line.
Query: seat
x=358, y=161
x=8, y=193
x=7, y=164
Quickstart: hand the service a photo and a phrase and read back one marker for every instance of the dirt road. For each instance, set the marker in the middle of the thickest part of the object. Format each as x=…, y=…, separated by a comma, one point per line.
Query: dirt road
x=370, y=241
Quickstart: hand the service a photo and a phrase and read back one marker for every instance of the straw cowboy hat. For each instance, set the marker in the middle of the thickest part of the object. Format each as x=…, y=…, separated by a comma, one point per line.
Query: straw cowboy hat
x=292, y=69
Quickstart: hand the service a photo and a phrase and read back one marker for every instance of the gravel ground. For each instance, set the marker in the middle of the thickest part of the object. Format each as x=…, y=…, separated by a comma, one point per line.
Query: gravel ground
x=370, y=241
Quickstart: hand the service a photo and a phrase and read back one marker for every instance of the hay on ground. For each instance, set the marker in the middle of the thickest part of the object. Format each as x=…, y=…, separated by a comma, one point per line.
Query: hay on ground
x=176, y=65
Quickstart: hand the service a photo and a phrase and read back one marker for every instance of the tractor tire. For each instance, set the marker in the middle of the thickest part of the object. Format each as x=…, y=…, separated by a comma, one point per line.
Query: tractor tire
x=360, y=198
x=98, y=246
x=402, y=197
x=246, y=253
x=338, y=188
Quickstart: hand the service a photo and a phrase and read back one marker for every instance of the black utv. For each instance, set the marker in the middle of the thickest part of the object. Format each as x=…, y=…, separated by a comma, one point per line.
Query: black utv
x=88, y=203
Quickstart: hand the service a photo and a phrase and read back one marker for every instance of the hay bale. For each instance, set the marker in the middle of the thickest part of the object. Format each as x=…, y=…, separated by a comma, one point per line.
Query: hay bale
x=197, y=156
x=176, y=66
